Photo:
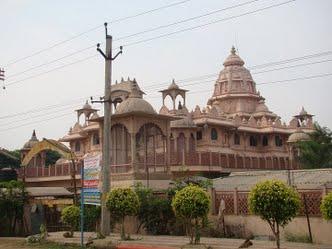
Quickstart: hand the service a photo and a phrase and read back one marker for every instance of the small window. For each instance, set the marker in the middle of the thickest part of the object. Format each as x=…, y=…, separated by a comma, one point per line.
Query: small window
x=265, y=141
x=253, y=141
x=77, y=146
x=278, y=141
x=214, y=134
x=95, y=139
x=236, y=139
x=199, y=135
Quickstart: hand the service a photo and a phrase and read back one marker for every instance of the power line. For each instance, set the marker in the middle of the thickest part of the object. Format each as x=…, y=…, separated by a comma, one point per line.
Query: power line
x=209, y=23
x=135, y=34
x=34, y=122
x=54, y=69
x=200, y=77
x=193, y=92
x=48, y=107
x=93, y=29
x=173, y=33
x=189, y=79
x=186, y=20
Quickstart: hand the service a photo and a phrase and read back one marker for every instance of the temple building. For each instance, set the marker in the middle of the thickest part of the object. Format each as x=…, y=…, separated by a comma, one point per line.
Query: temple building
x=235, y=131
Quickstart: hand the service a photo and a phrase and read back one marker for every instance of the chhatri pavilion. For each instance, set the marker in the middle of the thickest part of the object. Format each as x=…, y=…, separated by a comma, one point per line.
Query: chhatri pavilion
x=235, y=131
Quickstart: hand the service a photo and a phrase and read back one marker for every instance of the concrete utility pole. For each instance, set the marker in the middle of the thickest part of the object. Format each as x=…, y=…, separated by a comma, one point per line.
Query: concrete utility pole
x=105, y=215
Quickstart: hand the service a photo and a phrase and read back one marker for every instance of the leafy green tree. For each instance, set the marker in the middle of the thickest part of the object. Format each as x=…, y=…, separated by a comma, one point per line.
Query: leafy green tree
x=91, y=217
x=123, y=202
x=155, y=213
x=275, y=203
x=71, y=216
x=51, y=157
x=317, y=152
x=191, y=204
x=326, y=206
x=12, y=199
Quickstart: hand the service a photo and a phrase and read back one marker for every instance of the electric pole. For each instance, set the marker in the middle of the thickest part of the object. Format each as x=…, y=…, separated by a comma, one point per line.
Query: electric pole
x=106, y=149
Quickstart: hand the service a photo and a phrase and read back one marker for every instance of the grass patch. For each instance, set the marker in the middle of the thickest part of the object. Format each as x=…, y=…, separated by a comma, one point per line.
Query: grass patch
x=302, y=238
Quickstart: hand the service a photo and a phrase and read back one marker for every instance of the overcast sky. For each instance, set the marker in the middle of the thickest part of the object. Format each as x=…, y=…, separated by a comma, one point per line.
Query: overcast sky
x=292, y=30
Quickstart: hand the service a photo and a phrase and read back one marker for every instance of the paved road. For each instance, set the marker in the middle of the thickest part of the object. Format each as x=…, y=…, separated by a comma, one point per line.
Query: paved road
x=178, y=241
x=13, y=243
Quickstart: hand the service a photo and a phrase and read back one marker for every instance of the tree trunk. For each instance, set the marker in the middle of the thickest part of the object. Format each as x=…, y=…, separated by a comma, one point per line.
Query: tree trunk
x=197, y=232
x=123, y=234
x=278, y=237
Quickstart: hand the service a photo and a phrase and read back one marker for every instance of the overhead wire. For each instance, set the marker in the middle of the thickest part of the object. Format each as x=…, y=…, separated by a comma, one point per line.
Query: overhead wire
x=93, y=29
x=165, y=35
x=132, y=35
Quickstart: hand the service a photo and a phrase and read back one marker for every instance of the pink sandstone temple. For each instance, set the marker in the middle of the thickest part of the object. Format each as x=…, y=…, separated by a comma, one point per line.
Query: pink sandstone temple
x=235, y=131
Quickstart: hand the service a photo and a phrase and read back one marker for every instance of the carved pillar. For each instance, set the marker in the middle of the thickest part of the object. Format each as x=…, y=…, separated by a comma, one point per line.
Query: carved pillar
x=134, y=167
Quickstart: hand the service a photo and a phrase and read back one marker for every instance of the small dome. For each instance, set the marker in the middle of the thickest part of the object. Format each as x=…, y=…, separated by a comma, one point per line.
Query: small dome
x=173, y=85
x=298, y=136
x=87, y=105
x=261, y=107
x=33, y=140
x=134, y=105
x=303, y=112
x=233, y=59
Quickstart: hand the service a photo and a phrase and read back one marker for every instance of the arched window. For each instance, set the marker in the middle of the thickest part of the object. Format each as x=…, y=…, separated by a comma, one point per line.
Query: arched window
x=253, y=141
x=199, y=135
x=191, y=143
x=77, y=146
x=214, y=134
x=265, y=141
x=236, y=139
x=95, y=139
x=278, y=141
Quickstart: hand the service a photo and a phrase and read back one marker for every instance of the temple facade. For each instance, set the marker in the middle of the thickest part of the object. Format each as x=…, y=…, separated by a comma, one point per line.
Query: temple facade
x=235, y=131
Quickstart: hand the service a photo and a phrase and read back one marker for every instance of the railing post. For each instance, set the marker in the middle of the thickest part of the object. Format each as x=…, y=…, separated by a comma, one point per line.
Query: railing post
x=236, y=200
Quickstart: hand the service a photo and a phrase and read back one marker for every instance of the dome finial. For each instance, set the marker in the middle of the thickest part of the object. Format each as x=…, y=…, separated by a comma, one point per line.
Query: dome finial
x=233, y=50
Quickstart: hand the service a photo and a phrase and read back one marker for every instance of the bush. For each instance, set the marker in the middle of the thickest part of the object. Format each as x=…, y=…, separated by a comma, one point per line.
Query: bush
x=191, y=204
x=71, y=216
x=326, y=207
x=122, y=202
x=91, y=217
x=155, y=213
x=274, y=202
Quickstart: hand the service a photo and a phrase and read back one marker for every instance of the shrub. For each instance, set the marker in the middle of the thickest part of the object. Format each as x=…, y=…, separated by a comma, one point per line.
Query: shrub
x=191, y=204
x=155, y=213
x=122, y=202
x=71, y=216
x=91, y=217
x=274, y=202
x=326, y=207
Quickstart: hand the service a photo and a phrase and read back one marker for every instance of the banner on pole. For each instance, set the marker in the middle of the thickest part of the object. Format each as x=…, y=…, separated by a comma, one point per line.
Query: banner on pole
x=91, y=172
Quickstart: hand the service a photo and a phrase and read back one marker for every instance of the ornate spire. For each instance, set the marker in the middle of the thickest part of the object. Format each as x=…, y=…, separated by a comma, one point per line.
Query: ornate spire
x=34, y=137
x=233, y=50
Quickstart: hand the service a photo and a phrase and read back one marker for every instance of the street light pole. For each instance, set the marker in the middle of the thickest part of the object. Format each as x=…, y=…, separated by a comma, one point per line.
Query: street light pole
x=106, y=149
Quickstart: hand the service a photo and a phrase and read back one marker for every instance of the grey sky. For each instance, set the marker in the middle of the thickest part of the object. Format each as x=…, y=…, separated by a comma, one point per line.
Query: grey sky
x=296, y=29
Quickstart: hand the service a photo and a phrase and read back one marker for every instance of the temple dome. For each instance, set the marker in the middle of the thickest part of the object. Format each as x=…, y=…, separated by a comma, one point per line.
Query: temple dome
x=298, y=136
x=33, y=140
x=87, y=105
x=233, y=59
x=135, y=103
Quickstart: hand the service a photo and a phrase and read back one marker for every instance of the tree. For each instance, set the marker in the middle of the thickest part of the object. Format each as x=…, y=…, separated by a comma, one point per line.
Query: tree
x=275, y=203
x=71, y=216
x=326, y=206
x=155, y=212
x=12, y=199
x=122, y=202
x=191, y=204
x=317, y=152
x=51, y=157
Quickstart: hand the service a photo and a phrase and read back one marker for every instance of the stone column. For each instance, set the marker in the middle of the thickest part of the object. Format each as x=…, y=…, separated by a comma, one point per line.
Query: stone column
x=134, y=167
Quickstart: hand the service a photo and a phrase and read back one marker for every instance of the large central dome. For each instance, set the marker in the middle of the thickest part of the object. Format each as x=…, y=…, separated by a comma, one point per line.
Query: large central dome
x=235, y=89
